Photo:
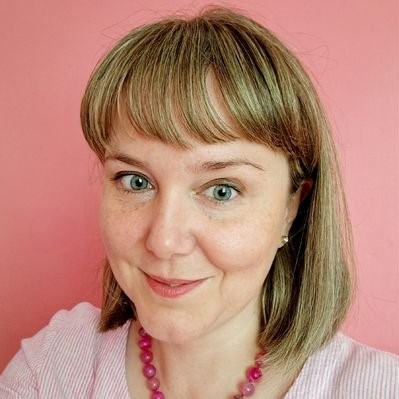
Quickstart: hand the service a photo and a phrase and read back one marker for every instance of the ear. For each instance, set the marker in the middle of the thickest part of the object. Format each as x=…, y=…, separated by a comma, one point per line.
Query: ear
x=305, y=188
x=293, y=204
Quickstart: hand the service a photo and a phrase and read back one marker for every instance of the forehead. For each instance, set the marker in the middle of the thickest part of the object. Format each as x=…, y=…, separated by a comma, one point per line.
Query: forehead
x=133, y=148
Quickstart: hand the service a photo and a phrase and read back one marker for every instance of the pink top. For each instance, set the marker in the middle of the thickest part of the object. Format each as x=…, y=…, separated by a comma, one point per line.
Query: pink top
x=70, y=359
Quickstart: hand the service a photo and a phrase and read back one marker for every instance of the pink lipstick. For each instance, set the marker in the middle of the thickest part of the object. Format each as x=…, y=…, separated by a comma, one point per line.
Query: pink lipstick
x=171, y=288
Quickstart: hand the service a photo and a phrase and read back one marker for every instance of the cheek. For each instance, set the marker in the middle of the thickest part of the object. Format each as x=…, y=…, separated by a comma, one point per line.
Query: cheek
x=120, y=228
x=241, y=244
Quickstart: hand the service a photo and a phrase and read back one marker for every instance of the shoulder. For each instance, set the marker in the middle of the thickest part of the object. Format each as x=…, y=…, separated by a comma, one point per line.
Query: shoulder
x=345, y=368
x=67, y=356
x=352, y=353
x=82, y=317
x=68, y=329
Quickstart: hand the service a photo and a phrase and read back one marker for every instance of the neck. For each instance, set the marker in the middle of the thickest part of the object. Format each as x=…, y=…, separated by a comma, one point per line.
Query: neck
x=210, y=366
x=216, y=357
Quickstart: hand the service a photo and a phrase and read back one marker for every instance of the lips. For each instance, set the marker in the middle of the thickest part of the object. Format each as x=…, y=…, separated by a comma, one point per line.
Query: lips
x=172, y=281
x=172, y=288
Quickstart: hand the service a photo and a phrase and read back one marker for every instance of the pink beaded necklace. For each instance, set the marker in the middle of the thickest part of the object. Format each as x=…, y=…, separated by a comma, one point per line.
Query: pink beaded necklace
x=246, y=388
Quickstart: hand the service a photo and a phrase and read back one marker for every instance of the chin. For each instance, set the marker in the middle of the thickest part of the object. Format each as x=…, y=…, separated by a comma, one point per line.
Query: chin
x=172, y=328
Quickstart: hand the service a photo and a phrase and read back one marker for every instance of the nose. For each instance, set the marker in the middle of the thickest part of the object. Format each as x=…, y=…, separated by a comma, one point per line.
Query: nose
x=170, y=229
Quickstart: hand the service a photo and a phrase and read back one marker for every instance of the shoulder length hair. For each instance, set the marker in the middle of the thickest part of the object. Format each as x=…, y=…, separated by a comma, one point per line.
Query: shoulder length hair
x=156, y=75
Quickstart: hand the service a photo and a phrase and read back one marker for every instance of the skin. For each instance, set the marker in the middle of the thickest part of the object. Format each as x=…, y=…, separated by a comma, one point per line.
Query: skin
x=178, y=225
x=212, y=212
x=175, y=228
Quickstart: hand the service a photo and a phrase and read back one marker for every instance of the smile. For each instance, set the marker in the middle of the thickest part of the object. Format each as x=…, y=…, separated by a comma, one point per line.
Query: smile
x=171, y=288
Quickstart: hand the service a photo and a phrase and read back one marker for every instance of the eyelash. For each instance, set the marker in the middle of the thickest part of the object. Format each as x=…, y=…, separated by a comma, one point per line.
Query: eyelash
x=221, y=183
x=119, y=176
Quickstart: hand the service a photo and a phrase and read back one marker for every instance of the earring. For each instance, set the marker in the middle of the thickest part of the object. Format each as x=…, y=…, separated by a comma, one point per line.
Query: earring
x=284, y=240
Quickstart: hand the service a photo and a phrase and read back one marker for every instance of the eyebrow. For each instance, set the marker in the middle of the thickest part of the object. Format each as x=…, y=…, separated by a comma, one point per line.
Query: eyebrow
x=200, y=167
x=125, y=159
x=217, y=165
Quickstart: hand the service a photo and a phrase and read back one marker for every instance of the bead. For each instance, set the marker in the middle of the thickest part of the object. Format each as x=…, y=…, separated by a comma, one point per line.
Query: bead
x=149, y=370
x=142, y=332
x=254, y=374
x=157, y=395
x=146, y=356
x=153, y=383
x=145, y=342
x=247, y=389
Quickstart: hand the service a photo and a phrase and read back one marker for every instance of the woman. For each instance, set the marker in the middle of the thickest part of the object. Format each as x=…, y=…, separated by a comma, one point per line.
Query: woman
x=228, y=247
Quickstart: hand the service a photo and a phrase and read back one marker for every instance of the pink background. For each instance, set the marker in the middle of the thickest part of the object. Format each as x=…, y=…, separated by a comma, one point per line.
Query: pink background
x=49, y=243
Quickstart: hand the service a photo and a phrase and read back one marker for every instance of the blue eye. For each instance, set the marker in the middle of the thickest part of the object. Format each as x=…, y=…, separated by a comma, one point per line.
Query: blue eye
x=221, y=192
x=134, y=182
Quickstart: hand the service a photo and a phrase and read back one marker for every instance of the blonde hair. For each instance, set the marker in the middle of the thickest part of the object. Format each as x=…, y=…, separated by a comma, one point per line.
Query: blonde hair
x=156, y=77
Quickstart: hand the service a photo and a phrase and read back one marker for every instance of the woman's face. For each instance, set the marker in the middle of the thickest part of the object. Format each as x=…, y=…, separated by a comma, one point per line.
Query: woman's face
x=191, y=234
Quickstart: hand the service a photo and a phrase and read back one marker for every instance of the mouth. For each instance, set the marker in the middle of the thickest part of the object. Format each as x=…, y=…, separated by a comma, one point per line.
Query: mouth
x=172, y=282
x=172, y=288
